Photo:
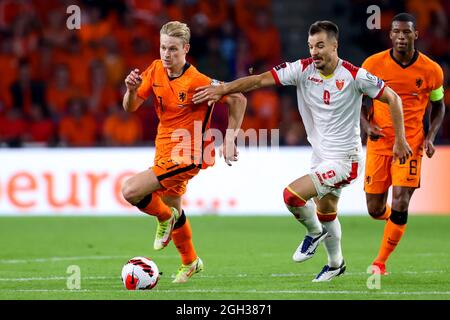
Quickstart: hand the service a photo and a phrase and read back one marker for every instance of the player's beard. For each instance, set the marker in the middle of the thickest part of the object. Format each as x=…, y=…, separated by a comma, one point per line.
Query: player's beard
x=319, y=64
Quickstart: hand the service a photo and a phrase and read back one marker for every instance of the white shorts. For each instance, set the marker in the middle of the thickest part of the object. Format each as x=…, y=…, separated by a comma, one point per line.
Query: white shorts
x=330, y=176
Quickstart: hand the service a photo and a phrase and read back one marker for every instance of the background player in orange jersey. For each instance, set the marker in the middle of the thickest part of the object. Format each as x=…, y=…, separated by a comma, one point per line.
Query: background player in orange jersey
x=417, y=80
x=181, y=142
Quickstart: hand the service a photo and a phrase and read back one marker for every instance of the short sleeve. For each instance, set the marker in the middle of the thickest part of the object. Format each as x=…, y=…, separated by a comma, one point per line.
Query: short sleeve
x=369, y=84
x=287, y=73
x=438, y=77
x=437, y=92
x=368, y=65
x=204, y=80
x=147, y=77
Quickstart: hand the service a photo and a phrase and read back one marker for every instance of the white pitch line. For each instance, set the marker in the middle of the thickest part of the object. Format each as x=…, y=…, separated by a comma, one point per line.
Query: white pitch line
x=56, y=259
x=429, y=254
x=212, y=276
x=54, y=278
x=357, y=273
x=312, y=291
x=369, y=293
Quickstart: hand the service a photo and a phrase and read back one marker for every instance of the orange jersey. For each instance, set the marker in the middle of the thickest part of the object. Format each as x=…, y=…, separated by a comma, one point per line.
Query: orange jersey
x=181, y=123
x=413, y=83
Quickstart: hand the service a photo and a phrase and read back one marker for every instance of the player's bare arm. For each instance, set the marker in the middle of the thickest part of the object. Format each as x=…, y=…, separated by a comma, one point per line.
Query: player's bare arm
x=214, y=93
x=436, y=118
x=402, y=150
x=373, y=131
x=131, y=101
x=237, y=105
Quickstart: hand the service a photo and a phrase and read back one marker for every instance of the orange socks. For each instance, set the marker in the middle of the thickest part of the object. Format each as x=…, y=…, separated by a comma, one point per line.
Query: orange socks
x=182, y=232
x=182, y=238
x=154, y=206
x=393, y=232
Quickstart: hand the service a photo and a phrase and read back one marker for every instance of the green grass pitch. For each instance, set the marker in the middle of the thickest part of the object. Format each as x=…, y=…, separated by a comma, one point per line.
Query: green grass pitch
x=245, y=258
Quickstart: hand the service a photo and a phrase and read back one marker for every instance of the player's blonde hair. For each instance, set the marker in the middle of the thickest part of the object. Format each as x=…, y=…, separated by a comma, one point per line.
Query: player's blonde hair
x=177, y=29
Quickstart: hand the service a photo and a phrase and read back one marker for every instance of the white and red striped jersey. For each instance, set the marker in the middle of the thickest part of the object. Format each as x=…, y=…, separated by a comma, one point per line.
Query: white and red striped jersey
x=330, y=106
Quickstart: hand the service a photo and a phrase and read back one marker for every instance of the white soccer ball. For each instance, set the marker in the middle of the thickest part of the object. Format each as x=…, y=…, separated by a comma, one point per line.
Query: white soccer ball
x=140, y=273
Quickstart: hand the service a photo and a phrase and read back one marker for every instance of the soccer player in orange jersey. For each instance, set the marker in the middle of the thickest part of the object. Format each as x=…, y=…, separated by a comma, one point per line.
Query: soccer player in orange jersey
x=417, y=79
x=181, y=141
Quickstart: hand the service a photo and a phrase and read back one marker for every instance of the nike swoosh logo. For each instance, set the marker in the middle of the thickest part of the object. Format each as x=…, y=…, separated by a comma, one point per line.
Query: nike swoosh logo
x=314, y=240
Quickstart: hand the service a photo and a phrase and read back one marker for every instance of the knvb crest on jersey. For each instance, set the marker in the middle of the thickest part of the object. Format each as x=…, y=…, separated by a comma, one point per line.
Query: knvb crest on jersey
x=340, y=84
x=182, y=96
x=419, y=82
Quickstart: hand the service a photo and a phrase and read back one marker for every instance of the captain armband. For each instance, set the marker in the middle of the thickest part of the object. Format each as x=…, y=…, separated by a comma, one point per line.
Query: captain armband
x=437, y=94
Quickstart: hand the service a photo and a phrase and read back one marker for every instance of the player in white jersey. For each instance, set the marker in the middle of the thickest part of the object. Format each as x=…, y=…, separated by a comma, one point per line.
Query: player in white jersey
x=329, y=93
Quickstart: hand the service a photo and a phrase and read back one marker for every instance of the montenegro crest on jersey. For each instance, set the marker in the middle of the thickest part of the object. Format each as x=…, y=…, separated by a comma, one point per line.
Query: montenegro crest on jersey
x=340, y=84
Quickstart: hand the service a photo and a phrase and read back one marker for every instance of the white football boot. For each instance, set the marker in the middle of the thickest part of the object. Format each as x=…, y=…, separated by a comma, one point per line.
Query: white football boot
x=328, y=273
x=308, y=247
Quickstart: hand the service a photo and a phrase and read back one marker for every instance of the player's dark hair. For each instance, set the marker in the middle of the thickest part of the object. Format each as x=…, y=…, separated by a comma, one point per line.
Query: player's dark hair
x=329, y=27
x=405, y=17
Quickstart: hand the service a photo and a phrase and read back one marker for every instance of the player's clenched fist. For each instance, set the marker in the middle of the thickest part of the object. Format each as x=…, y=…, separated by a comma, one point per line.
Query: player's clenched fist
x=133, y=80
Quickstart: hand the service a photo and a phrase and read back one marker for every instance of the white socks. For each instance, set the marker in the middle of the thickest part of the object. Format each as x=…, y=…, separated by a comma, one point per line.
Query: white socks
x=307, y=217
x=333, y=242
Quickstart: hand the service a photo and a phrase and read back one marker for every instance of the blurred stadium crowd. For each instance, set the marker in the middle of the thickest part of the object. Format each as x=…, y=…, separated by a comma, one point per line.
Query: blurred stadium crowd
x=62, y=87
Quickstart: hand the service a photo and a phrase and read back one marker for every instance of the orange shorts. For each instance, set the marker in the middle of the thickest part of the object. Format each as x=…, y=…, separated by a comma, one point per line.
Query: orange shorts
x=381, y=173
x=174, y=176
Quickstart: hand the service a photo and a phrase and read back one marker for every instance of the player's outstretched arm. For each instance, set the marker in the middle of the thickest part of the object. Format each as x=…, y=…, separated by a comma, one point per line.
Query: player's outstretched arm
x=402, y=150
x=212, y=93
x=131, y=102
x=436, y=118
x=237, y=105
